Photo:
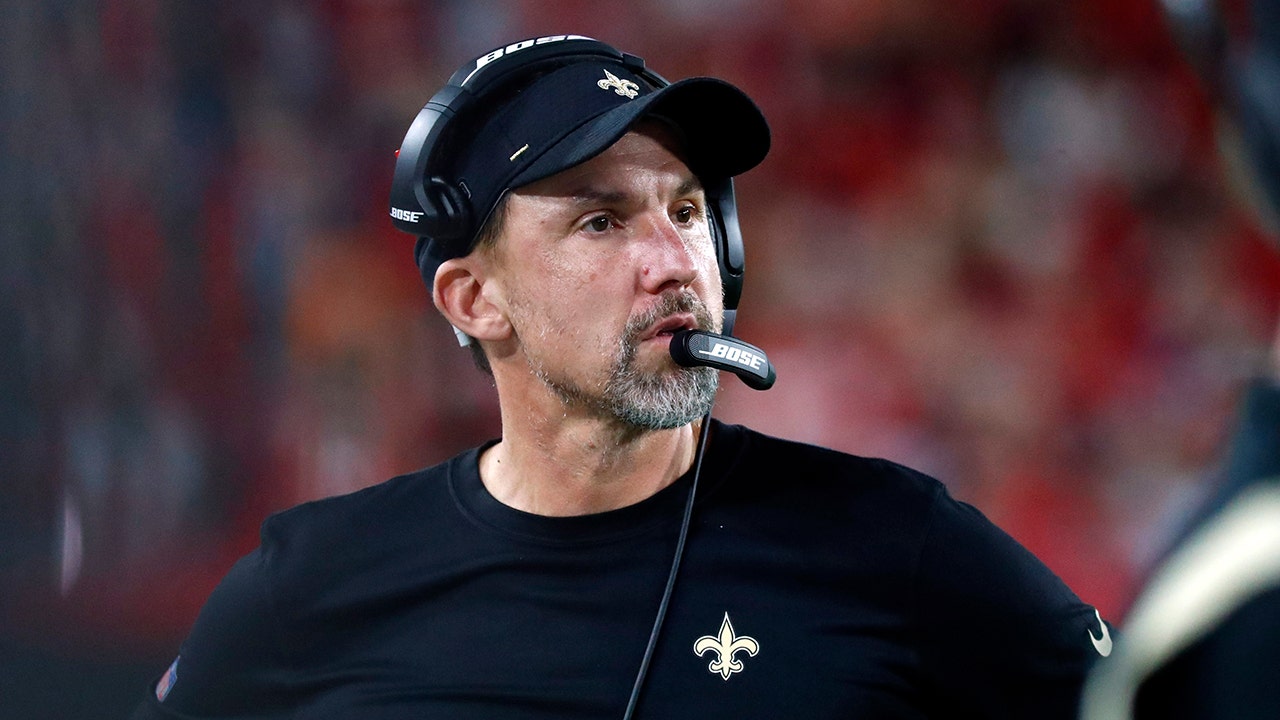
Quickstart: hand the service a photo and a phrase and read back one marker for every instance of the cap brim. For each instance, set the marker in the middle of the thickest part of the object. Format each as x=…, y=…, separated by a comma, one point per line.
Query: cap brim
x=723, y=132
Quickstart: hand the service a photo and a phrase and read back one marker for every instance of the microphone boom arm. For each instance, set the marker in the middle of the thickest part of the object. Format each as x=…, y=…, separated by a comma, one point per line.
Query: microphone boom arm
x=698, y=348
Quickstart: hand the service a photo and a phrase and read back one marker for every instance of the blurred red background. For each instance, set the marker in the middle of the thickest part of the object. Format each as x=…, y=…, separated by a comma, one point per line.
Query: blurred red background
x=994, y=241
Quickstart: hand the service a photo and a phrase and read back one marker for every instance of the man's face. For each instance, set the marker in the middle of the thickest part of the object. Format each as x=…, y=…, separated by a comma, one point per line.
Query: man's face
x=598, y=265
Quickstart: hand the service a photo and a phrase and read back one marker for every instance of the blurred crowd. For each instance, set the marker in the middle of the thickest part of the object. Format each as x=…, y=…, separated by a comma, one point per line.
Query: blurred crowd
x=994, y=240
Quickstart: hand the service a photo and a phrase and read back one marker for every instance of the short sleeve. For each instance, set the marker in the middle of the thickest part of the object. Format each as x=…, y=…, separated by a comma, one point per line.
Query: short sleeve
x=1000, y=634
x=232, y=664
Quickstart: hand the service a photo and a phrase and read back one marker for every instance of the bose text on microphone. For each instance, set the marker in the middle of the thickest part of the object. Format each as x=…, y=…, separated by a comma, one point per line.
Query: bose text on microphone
x=694, y=348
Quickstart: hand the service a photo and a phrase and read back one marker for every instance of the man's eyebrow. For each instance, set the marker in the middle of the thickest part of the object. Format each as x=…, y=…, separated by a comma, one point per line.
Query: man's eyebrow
x=690, y=185
x=597, y=196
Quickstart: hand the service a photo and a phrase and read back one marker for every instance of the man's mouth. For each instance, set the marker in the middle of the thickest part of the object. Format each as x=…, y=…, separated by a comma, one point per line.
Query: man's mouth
x=669, y=326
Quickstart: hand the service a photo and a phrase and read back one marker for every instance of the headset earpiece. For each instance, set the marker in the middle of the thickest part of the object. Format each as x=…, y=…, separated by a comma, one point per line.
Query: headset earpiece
x=728, y=240
x=447, y=209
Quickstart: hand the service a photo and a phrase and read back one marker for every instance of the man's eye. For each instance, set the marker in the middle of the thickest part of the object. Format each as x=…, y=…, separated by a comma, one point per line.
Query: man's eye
x=599, y=224
x=687, y=214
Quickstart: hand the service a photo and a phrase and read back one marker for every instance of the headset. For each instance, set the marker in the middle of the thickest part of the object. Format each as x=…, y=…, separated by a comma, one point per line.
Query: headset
x=427, y=201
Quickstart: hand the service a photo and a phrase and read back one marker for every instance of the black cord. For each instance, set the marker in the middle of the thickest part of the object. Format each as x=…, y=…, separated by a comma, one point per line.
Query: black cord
x=675, y=570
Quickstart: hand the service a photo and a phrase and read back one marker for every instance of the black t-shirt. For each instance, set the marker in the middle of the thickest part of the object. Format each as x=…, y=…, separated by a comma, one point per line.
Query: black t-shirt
x=815, y=584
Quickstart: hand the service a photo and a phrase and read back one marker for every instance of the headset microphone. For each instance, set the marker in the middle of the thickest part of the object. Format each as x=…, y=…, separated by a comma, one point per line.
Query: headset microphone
x=698, y=348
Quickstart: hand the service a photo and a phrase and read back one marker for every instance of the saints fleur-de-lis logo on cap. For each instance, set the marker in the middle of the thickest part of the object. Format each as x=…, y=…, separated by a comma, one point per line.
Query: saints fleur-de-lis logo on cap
x=625, y=88
x=726, y=646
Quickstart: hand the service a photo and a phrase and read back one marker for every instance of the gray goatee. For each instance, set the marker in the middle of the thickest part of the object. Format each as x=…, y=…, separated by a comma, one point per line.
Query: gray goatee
x=649, y=400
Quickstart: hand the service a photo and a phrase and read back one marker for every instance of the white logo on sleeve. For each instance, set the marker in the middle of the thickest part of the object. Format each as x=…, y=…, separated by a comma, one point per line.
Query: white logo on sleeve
x=725, y=647
x=1101, y=644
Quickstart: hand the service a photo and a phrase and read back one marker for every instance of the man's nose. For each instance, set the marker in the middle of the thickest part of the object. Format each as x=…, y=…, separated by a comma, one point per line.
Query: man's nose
x=668, y=259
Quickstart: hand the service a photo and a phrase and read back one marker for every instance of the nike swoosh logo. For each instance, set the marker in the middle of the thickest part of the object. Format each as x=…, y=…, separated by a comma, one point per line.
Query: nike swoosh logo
x=1101, y=644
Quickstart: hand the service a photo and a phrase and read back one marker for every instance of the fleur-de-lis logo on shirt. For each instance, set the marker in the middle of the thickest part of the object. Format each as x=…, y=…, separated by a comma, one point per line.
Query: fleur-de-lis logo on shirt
x=625, y=88
x=726, y=646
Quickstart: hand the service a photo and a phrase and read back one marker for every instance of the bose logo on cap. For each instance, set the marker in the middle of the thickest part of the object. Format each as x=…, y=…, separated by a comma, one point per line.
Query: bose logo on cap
x=517, y=47
x=742, y=357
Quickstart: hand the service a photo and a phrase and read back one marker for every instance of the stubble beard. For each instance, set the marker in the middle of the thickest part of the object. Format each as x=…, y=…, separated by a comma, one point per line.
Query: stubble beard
x=667, y=398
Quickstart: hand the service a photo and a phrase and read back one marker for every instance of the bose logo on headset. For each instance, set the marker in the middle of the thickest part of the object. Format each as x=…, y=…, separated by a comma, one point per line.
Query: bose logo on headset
x=405, y=215
x=745, y=358
x=517, y=47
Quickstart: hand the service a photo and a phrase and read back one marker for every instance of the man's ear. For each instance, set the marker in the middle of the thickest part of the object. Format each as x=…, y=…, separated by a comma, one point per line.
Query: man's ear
x=459, y=293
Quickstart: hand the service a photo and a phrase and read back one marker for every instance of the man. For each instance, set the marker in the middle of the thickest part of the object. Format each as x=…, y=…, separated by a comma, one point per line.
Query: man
x=576, y=217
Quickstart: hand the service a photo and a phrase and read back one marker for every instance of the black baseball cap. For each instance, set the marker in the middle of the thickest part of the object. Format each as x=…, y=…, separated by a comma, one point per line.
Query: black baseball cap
x=575, y=112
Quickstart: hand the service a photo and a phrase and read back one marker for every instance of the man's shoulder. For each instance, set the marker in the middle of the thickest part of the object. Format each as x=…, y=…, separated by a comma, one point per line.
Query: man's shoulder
x=811, y=464
x=829, y=491
x=352, y=529
x=369, y=504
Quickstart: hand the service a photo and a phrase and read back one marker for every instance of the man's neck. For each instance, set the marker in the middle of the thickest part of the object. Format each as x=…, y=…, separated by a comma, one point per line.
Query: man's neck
x=566, y=467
